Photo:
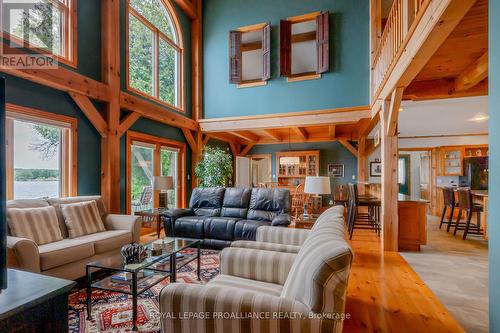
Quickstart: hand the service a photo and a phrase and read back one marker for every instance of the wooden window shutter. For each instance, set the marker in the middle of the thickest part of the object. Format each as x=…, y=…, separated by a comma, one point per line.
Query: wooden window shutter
x=235, y=57
x=285, y=48
x=266, y=52
x=322, y=42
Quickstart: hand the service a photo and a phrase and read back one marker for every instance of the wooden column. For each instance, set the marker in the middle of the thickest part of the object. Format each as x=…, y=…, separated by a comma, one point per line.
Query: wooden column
x=362, y=163
x=389, y=154
x=110, y=144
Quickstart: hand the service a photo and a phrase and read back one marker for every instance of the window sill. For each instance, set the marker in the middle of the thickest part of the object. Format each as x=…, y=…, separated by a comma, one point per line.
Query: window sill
x=155, y=100
x=303, y=77
x=250, y=84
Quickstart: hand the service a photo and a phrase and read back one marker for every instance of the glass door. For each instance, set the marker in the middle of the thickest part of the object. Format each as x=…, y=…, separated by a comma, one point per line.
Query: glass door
x=142, y=171
x=169, y=167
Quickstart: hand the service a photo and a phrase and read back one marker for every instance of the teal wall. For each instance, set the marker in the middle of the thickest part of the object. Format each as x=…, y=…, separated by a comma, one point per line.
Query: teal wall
x=494, y=130
x=346, y=85
x=330, y=153
x=28, y=94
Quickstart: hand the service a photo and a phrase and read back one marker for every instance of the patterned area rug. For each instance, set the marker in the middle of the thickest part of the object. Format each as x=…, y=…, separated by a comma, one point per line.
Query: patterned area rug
x=112, y=312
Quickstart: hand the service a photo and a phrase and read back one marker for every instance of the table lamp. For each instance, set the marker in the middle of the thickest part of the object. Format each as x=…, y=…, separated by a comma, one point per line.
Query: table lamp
x=163, y=184
x=316, y=185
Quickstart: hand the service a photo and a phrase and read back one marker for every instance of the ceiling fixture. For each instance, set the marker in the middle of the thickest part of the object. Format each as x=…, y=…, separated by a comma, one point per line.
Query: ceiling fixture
x=290, y=160
x=480, y=117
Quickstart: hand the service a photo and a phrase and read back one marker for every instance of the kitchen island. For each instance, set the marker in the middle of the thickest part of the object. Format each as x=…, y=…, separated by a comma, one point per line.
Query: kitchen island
x=412, y=217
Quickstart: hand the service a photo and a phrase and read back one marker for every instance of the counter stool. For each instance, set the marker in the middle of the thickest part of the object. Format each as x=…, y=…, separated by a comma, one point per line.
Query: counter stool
x=449, y=202
x=468, y=206
x=357, y=220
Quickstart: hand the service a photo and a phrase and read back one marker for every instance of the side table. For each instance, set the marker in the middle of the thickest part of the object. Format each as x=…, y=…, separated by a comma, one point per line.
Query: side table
x=151, y=217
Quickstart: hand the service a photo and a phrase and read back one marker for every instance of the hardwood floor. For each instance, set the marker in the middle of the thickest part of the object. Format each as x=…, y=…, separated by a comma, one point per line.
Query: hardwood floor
x=386, y=295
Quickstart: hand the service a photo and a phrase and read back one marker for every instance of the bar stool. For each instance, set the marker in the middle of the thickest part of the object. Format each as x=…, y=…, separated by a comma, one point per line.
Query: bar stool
x=341, y=195
x=466, y=204
x=357, y=220
x=449, y=202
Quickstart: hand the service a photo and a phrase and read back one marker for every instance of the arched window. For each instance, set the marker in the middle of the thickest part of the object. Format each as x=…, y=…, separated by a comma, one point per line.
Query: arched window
x=155, y=52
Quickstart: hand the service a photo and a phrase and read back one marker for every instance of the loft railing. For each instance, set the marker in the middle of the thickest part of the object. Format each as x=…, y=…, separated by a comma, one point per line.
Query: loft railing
x=403, y=17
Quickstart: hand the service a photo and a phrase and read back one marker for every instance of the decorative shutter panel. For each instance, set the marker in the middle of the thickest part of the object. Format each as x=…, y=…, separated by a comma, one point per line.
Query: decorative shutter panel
x=322, y=42
x=285, y=48
x=266, y=53
x=235, y=57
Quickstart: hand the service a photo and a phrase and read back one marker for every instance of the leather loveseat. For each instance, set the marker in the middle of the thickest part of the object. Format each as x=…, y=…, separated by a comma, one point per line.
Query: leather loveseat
x=222, y=215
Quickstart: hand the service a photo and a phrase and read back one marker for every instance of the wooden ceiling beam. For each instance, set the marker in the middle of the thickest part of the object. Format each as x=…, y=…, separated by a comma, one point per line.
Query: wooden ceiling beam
x=91, y=112
x=206, y=138
x=246, y=135
x=188, y=8
x=441, y=89
x=190, y=139
x=331, y=132
x=392, y=119
x=235, y=148
x=247, y=148
x=473, y=74
x=349, y=146
x=301, y=132
x=155, y=112
x=128, y=121
x=273, y=135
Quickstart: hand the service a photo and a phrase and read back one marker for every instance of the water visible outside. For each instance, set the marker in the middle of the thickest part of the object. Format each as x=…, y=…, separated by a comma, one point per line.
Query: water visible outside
x=36, y=189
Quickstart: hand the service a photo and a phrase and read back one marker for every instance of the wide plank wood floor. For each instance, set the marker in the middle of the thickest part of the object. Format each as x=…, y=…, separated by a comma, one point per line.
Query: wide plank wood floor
x=386, y=295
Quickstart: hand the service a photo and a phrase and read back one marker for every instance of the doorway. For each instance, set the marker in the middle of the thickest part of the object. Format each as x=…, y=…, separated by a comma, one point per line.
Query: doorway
x=261, y=172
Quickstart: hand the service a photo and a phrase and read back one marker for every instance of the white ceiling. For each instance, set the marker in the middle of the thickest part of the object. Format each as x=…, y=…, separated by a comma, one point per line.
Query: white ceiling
x=444, y=117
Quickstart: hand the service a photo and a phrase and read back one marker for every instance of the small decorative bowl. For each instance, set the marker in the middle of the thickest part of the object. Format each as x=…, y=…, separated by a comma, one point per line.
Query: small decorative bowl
x=133, y=253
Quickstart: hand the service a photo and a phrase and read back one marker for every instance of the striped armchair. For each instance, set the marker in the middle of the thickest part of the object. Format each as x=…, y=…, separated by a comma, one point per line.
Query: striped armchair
x=269, y=288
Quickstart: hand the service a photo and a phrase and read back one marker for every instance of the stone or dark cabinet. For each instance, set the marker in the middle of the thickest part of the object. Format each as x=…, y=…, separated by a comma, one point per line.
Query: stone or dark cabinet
x=34, y=303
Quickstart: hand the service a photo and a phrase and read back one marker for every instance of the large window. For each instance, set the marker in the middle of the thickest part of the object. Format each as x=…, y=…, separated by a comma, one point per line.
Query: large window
x=155, y=52
x=40, y=154
x=46, y=25
x=149, y=156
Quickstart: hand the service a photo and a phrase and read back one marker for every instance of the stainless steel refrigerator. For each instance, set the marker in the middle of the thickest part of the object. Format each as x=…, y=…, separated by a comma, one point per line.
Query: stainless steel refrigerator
x=476, y=172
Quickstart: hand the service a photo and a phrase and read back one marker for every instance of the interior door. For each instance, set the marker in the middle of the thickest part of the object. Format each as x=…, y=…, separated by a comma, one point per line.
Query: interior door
x=243, y=175
x=425, y=170
x=404, y=174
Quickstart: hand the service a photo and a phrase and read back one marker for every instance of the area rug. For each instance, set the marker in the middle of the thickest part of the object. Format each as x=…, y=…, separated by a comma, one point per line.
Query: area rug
x=112, y=312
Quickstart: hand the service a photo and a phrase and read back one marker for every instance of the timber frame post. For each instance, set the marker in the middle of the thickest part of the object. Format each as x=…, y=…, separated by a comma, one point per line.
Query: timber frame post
x=110, y=144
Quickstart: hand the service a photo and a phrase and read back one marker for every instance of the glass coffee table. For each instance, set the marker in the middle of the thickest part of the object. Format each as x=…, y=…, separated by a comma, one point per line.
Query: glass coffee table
x=134, y=279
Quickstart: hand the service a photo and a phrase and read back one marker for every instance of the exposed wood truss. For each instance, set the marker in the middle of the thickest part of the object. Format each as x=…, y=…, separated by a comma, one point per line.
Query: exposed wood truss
x=90, y=111
x=128, y=121
x=393, y=116
x=472, y=75
x=349, y=146
x=301, y=132
x=188, y=8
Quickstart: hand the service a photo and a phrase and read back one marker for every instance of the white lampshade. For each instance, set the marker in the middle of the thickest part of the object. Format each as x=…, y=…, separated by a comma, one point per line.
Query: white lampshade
x=162, y=183
x=317, y=185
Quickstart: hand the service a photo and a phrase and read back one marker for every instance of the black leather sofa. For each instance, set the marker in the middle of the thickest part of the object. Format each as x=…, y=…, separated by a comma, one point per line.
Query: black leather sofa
x=220, y=215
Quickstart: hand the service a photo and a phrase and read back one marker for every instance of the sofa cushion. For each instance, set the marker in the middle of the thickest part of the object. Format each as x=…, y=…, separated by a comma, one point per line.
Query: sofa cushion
x=82, y=218
x=64, y=252
x=266, y=203
x=207, y=201
x=219, y=227
x=321, y=268
x=247, y=229
x=267, y=288
x=108, y=240
x=56, y=202
x=189, y=227
x=236, y=202
x=38, y=224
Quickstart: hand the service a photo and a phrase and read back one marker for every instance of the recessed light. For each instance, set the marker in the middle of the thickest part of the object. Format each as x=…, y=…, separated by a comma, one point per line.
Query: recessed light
x=480, y=117
x=401, y=109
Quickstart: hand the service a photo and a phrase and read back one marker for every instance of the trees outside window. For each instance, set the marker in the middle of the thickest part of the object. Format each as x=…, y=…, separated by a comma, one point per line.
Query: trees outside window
x=155, y=52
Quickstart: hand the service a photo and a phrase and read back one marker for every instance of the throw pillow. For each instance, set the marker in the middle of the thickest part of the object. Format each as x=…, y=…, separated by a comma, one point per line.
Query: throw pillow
x=38, y=224
x=82, y=218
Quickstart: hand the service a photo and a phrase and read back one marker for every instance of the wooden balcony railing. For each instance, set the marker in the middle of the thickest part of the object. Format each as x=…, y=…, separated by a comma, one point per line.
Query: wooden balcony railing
x=403, y=17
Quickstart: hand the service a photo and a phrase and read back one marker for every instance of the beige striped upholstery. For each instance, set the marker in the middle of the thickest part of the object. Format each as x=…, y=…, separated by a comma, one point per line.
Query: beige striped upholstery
x=38, y=224
x=322, y=267
x=234, y=310
x=266, y=246
x=265, y=266
x=82, y=218
x=280, y=235
x=267, y=288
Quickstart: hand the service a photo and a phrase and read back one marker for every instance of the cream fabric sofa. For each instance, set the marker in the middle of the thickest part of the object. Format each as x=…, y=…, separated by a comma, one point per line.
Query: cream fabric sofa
x=67, y=258
x=289, y=280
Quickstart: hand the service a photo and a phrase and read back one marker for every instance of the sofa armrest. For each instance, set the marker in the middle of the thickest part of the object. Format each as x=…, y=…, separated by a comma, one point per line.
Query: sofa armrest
x=260, y=265
x=23, y=253
x=287, y=236
x=282, y=220
x=205, y=308
x=266, y=246
x=130, y=223
x=171, y=215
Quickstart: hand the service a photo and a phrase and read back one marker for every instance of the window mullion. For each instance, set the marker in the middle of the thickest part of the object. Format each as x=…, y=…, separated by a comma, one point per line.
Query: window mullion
x=9, y=161
x=156, y=65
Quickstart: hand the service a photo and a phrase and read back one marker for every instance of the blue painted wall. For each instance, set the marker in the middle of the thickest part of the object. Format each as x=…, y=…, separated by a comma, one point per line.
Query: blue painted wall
x=346, y=85
x=494, y=130
x=330, y=153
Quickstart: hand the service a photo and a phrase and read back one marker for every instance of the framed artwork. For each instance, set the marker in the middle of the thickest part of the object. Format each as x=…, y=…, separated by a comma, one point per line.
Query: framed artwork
x=336, y=170
x=376, y=169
